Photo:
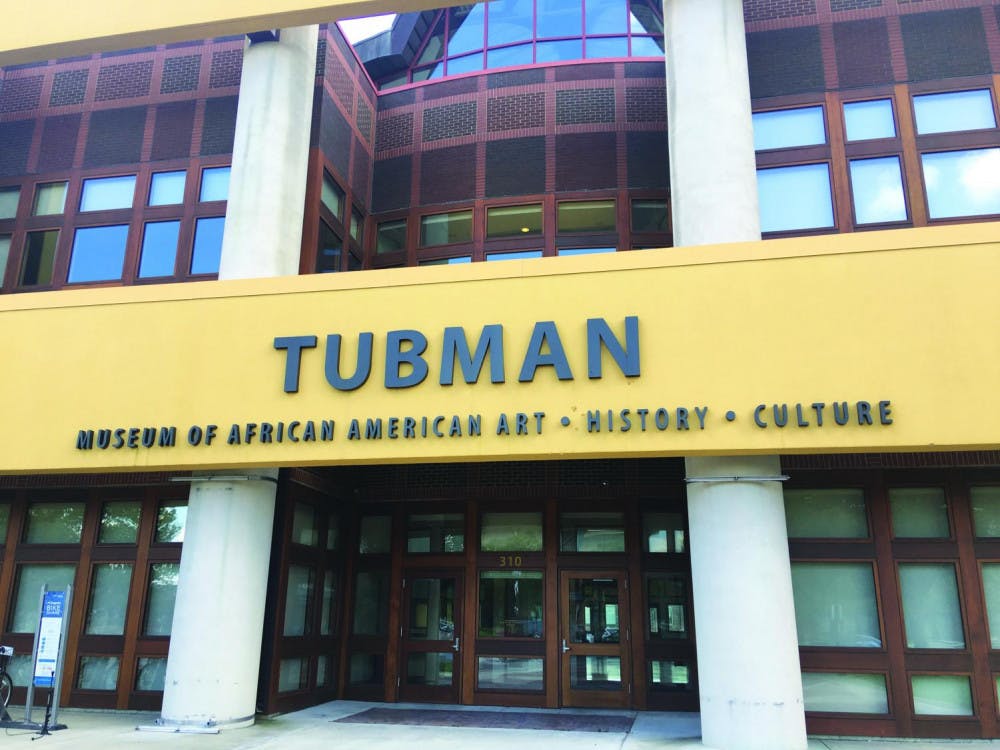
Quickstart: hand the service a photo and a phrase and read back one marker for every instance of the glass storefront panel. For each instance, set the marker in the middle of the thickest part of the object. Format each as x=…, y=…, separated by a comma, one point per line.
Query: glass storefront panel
x=160, y=598
x=109, y=593
x=376, y=535
x=930, y=606
x=919, y=512
x=293, y=675
x=119, y=522
x=435, y=670
x=664, y=533
x=151, y=673
x=985, y=511
x=595, y=672
x=821, y=514
x=328, y=616
x=845, y=693
x=435, y=532
x=669, y=674
x=511, y=532
x=171, y=517
x=592, y=532
x=835, y=604
x=298, y=600
x=30, y=579
x=98, y=673
x=511, y=604
x=367, y=669
x=593, y=610
x=941, y=695
x=304, y=528
x=432, y=609
x=510, y=673
x=371, y=602
x=666, y=602
x=54, y=523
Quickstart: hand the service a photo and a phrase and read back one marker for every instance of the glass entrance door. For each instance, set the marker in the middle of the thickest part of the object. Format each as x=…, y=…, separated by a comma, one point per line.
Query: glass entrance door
x=594, y=636
x=430, y=663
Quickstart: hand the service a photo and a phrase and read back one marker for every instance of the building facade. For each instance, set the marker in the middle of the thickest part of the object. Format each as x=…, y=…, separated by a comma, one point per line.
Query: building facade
x=835, y=562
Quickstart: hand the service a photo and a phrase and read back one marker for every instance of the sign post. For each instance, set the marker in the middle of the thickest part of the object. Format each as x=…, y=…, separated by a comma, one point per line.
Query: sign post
x=49, y=650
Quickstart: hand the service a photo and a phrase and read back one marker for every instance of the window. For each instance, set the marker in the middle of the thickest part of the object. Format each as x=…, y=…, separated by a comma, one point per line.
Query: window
x=793, y=198
x=446, y=261
x=151, y=673
x=293, y=674
x=9, y=198
x=669, y=674
x=991, y=593
x=877, y=188
x=835, y=604
x=510, y=604
x=107, y=193
x=298, y=600
x=328, y=614
x=586, y=216
x=160, y=598
x=592, y=532
x=650, y=216
x=304, y=529
x=357, y=226
x=919, y=513
x=663, y=533
x=953, y=111
x=446, y=229
x=54, y=523
x=511, y=532
x=941, y=695
x=159, y=249
x=97, y=673
x=4, y=255
x=376, y=535
x=328, y=252
x=167, y=188
x=30, y=579
x=666, y=602
x=4, y=522
x=820, y=514
x=98, y=254
x=119, y=522
x=986, y=511
x=566, y=251
x=50, y=199
x=930, y=606
x=962, y=183
x=109, y=590
x=510, y=673
x=39, y=257
x=332, y=196
x=390, y=236
x=845, y=693
x=788, y=128
x=371, y=602
x=435, y=532
x=214, y=184
x=517, y=255
x=171, y=517
x=868, y=120
x=513, y=221
x=207, y=251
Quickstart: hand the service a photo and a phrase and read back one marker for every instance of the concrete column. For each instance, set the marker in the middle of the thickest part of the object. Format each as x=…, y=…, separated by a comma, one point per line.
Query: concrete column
x=748, y=663
x=215, y=643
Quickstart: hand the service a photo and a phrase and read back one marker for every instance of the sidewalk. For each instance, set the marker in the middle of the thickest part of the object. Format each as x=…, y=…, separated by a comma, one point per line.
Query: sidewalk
x=315, y=729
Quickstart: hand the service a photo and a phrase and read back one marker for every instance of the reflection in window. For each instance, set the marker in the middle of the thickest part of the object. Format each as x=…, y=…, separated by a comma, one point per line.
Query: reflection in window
x=788, y=128
x=371, y=602
x=511, y=532
x=510, y=604
x=167, y=188
x=446, y=229
x=845, y=693
x=595, y=48
x=376, y=535
x=9, y=198
x=98, y=254
x=510, y=673
x=367, y=669
x=109, y=591
x=985, y=510
x=328, y=253
x=941, y=695
x=293, y=674
x=517, y=255
x=107, y=193
x=650, y=216
x=332, y=196
x=30, y=580
x=991, y=593
x=519, y=54
x=509, y=21
x=4, y=522
x=663, y=533
x=151, y=673
x=586, y=216
x=919, y=512
x=328, y=618
x=868, y=120
x=592, y=532
x=669, y=674
x=357, y=226
x=214, y=184
x=815, y=514
x=835, y=605
x=160, y=598
x=877, y=187
x=49, y=199
x=962, y=183
x=54, y=523
x=666, y=602
x=435, y=532
x=390, y=236
x=119, y=522
x=569, y=49
x=930, y=606
x=207, y=251
x=170, y=521
x=430, y=669
x=97, y=673
x=431, y=615
x=304, y=528
x=4, y=255
x=953, y=111
x=159, y=249
x=39, y=257
x=793, y=198
x=595, y=672
x=566, y=251
x=298, y=600
x=458, y=260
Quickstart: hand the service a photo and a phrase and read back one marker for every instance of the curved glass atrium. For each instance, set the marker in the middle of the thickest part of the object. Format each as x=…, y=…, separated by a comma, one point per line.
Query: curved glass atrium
x=510, y=33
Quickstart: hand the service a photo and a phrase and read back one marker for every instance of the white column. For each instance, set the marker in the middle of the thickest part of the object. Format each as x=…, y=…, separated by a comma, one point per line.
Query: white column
x=748, y=664
x=215, y=642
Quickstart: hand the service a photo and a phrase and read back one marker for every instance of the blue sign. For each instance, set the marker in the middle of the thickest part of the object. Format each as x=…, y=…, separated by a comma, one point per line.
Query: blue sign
x=49, y=634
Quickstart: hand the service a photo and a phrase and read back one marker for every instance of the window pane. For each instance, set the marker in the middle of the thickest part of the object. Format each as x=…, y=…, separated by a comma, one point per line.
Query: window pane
x=292, y=674
x=357, y=225
x=595, y=672
x=390, y=236
x=367, y=669
x=519, y=54
x=322, y=670
x=39, y=255
x=298, y=600
x=214, y=184
x=647, y=46
x=151, y=673
x=570, y=251
x=956, y=110
x=167, y=188
x=98, y=253
x=521, y=255
x=332, y=196
x=508, y=21
x=835, y=605
x=650, y=216
x=513, y=221
x=49, y=199
x=376, y=535
x=795, y=198
x=207, y=245
x=593, y=607
x=941, y=695
x=434, y=669
x=867, y=120
x=304, y=529
x=510, y=673
x=877, y=187
x=19, y=669
x=445, y=229
x=438, y=532
x=466, y=28
x=432, y=609
x=788, y=128
x=333, y=532
x=160, y=598
x=845, y=693
x=510, y=604
x=9, y=198
x=119, y=522
x=930, y=605
x=991, y=592
x=606, y=47
x=592, y=532
x=4, y=522
x=54, y=523
x=586, y=216
x=4, y=255
x=170, y=520
x=446, y=261
x=109, y=599
x=666, y=602
x=106, y=193
x=962, y=183
x=571, y=49
x=511, y=532
x=669, y=675
x=985, y=510
x=606, y=17
x=29, y=589
x=663, y=532
x=434, y=48
x=328, y=615
x=919, y=512
x=826, y=513
x=98, y=673
x=159, y=249
x=371, y=602
x=467, y=64
x=328, y=253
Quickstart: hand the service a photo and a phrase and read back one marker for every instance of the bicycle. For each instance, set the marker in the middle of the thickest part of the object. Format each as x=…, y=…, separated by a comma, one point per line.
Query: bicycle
x=6, y=683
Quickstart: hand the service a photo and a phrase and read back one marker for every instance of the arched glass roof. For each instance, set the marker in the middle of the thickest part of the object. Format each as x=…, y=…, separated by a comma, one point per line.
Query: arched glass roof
x=507, y=33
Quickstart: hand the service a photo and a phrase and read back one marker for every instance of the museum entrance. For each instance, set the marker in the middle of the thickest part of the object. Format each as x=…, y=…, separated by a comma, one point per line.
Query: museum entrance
x=431, y=640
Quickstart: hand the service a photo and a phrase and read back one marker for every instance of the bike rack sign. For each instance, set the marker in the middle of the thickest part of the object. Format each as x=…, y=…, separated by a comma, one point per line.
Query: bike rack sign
x=50, y=629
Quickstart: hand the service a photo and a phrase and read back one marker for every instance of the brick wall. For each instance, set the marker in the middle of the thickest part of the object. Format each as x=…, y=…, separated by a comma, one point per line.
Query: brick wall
x=125, y=81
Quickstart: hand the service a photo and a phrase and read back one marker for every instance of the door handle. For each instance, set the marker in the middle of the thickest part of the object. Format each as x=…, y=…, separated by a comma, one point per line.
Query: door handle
x=455, y=644
x=565, y=648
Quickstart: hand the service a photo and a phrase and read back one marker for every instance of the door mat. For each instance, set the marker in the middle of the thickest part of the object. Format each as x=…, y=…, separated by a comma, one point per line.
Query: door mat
x=492, y=719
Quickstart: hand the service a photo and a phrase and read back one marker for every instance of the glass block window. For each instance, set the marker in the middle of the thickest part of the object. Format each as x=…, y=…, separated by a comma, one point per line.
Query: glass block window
x=159, y=249
x=511, y=532
x=962, y=183
x=28, y=592
x=214, y=184
x=877, y=189
x=151, y=674
x=390, y=236
x=788, y=128
x=97, y=673
x=171, y=517
x=50, y=199
x=510, y=673
x=953, y=111
x=826, y=513
x=592, y=532
x=161, y=595
x=919, y=513
x=446, y=229
x=299, y=600
x=108, y=604
x=835, y=605
x=207, y=251
x=376, y=535
x=9, y=198
x=941, y=695
x=98, y=254
x=39, y=257
x=930, y=606
x=107, y=193
x=869, y=120
x=795, y=198
x=167, y=188
x=54, y=523
x=842, y=692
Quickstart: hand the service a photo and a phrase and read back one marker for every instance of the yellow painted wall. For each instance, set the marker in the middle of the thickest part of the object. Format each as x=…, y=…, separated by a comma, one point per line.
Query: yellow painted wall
x=909, y=316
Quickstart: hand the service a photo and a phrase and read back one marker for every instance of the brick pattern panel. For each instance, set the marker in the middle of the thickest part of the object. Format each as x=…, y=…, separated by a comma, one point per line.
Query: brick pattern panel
x=180, y=74
x=515, y=166
x=227, y=64
x=20, y=94
x=646, y=160
x=526, y=77
x=458, y=87
x=335, y=136
x=449, y=121
x=586, y=161
x=945, y=44
x=220, y=126
x=646, y=104
x=321, y=55
x=394, y=132
x=579, y=106
x=341, y=44
x=448, y=174
x=391, y=184
x=362, y=177
x=364, y=118
x=863, y=56
x=585, y=72
x=786, y=61
x=16, y=139
x=115, y=136
x=69, y=87
x=59, y=136
x=515, y=112
x=765, y=10
x=838, y=6
x=340, y=82
x=125, y=81
x=173, y=130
